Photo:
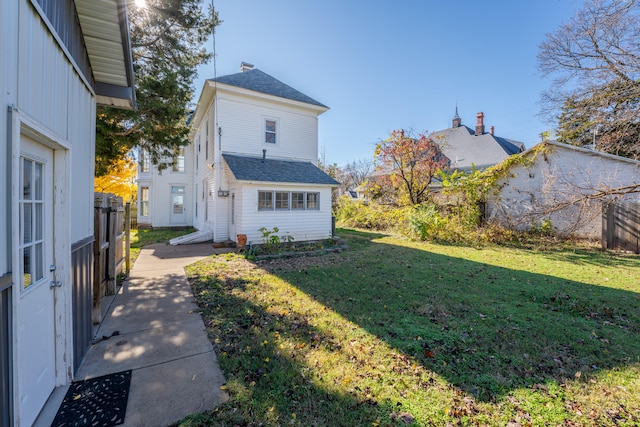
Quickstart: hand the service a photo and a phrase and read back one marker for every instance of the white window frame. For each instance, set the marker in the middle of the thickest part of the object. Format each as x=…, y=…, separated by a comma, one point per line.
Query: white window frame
x=144, y=203
x=306, y=200
x=274, y=200
x=279, y=202
x=270, y=192
x=178, y=161
x=275, y=132
x=145, y=165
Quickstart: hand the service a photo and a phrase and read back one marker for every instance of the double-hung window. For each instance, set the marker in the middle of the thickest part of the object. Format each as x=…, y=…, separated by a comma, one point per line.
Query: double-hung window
x=178, y=160
x=270, y=131
x=144, y=201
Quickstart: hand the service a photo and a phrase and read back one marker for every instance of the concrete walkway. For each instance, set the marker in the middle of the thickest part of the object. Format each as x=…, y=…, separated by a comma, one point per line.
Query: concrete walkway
x=153, y=327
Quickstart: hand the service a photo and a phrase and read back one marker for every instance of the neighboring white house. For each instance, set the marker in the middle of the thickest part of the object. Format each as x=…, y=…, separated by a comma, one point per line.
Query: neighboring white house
x=556, y=183
x=254, y=153
x=164, y=197
x=59, y=59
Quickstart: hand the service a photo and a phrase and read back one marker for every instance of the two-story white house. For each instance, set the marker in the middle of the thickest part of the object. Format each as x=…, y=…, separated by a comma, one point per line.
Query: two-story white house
x=254, y=153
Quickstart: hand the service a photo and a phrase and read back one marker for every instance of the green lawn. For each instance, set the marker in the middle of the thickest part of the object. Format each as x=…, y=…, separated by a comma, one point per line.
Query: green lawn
x=393, y=333
x=143, y=237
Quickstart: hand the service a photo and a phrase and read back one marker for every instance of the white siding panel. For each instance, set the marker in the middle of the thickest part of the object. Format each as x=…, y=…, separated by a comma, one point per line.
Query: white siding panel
x=243, y=130
x=43, y=75
x=82, y=117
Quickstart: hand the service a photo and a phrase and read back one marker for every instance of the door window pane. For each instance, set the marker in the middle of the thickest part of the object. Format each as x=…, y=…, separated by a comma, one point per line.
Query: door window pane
x=26, y=267
x=39, y=264
x=26, y=179
x=39, y=221
x=32, y=231
x=37, y=179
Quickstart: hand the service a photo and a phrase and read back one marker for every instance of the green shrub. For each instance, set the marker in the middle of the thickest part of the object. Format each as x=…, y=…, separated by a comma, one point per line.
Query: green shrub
x=370, y=216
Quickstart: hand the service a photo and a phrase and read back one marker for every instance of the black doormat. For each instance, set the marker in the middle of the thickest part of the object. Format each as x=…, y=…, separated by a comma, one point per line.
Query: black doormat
x=98, y=402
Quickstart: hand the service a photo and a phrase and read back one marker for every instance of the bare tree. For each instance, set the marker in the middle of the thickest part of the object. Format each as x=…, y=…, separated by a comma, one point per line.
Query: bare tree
x=356, y=173
x=595, y=62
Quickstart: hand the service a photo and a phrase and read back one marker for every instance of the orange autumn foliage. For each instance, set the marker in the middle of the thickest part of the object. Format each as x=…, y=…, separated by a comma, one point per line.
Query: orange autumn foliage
x=120, y=180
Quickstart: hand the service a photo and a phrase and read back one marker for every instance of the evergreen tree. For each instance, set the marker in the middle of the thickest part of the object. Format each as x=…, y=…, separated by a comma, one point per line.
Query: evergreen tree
x=168, y=44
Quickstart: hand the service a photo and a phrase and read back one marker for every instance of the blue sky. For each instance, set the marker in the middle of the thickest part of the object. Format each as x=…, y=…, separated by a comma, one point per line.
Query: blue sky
x=385, y=65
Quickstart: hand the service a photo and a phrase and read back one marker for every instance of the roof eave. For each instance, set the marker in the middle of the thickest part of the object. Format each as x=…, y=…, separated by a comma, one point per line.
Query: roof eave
x=319, y=109
x=297, y=184
x=112, y=70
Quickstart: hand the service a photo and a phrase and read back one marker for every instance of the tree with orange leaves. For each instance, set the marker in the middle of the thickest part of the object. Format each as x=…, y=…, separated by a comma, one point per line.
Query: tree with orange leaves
x=120, y=179
x=405, y=167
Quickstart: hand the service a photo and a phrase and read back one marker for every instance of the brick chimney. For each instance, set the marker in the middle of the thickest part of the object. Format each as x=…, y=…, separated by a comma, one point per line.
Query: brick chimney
x=480, y=123
x=491, y=129
x=245, y=66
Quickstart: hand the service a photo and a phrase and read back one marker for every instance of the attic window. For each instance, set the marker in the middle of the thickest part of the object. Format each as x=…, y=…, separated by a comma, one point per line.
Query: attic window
x=270, y=131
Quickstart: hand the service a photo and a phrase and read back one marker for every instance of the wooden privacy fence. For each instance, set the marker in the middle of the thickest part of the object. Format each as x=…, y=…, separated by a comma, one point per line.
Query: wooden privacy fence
x=621, y=226
x=111, y=232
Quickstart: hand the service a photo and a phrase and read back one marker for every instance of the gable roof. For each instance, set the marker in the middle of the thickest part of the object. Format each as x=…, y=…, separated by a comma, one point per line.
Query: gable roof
x=262, y=82
x=465, y=149
x=247, y=168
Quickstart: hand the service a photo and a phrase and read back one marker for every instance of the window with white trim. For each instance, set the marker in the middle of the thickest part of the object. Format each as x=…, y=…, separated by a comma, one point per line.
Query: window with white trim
x=288, y=200
x=178, y=160
x=265, y=200
x=144, y=161
x=270, y=131
x=282, y=200
x=297, y=200
x=313, y=201
x=144, y=201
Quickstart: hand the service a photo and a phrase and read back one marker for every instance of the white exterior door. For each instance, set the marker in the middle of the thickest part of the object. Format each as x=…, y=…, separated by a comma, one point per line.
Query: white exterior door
x=177, y=204
x=35, y=314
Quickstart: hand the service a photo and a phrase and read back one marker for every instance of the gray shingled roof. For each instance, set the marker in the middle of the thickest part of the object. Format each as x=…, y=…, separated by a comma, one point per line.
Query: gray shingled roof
x=246, y=168
x=262, y=82
x=464, y=148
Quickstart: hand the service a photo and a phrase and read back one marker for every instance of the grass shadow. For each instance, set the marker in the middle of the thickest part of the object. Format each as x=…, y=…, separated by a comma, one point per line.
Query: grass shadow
x=487, y=329
x=390, y=329
x=268, y=382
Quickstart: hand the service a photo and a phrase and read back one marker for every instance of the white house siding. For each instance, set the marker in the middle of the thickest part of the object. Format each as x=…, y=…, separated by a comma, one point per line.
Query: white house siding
x=302, y=225
x=242, y=122
x=201, y=172
x=160, y=184
x=51, y=106
x=560, y=174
